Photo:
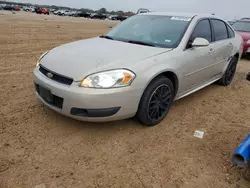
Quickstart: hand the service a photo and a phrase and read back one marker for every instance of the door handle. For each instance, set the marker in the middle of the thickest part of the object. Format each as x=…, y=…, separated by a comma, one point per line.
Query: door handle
x=230, y=45
x=211, y=50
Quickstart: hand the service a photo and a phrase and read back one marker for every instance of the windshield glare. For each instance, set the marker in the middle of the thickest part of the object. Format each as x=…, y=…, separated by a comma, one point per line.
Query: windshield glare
x=159, y=31
x=241, y=26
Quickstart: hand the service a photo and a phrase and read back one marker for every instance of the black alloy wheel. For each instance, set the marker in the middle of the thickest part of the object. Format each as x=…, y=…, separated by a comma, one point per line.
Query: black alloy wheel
x=159, y=102
x=156, y=101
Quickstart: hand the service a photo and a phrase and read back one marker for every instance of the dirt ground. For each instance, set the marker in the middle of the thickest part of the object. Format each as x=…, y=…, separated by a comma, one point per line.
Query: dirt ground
x=39, y=146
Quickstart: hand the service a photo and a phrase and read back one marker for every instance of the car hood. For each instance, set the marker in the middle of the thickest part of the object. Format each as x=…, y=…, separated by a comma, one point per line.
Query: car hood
x=245, y=35
x=81, y=58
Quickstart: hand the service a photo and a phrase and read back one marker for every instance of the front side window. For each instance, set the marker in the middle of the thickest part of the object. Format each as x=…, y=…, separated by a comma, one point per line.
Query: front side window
x=156, y=30
x=202, y=30
x=220, y=30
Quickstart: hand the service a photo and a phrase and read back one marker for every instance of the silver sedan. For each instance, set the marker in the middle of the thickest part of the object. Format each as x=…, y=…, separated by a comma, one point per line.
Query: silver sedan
x=138, y=68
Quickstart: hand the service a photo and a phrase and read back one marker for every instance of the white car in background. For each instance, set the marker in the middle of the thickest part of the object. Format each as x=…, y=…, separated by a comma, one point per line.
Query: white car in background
x=65, y=13
x=58, y=12
x=69, y=13
x=139, y=67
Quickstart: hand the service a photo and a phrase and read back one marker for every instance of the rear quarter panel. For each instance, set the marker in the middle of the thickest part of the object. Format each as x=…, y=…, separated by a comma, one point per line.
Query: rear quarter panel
x=238, y=45
x=237, y=42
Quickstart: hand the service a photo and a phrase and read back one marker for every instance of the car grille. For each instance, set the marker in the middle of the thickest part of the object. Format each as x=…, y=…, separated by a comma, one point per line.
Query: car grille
x=56, y=77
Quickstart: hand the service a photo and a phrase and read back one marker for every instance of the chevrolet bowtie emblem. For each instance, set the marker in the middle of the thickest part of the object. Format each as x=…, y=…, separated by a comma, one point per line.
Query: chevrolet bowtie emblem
x=50, y=75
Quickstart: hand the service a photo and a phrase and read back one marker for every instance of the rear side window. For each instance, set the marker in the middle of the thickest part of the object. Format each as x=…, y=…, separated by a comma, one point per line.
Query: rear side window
x=220, y=30
x=202, y=30
x=230, y=32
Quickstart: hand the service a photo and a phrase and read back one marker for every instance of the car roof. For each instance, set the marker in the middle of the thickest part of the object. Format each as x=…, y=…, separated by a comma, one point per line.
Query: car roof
x=180, y=14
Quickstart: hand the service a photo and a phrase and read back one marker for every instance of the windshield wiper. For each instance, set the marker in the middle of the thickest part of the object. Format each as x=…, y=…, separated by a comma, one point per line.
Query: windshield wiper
x=106, y=37
x=140, y=42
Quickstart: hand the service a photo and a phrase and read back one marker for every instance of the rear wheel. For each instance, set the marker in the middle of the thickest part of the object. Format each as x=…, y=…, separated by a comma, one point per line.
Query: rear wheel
x=230, y=72
x=156, y=101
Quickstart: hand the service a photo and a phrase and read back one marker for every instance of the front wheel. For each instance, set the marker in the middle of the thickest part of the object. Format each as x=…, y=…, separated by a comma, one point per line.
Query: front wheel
x=230, y=72
x=156, y=101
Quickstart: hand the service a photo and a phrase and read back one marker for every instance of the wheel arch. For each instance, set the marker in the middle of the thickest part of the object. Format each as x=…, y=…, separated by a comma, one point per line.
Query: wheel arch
x=171, y=75
x=168, y=74
x=237, y=55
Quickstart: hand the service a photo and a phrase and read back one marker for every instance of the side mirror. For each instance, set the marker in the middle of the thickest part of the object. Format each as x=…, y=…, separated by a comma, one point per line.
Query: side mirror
x=199, y=42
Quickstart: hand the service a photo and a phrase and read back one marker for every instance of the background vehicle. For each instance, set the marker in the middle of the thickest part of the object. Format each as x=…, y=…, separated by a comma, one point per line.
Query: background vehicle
x=142, y=10
x=69, y=13
x=245, y=18
x=113, y=17
x=52, y=10
x=139, y=67
x=17, y=8
x=121, y=18
x=98, y=16
x=242, y=27
x=58, y=12
x=64, y=12
x=82, y=14
x=8, y=7
x=27, y=9
x=39, y=10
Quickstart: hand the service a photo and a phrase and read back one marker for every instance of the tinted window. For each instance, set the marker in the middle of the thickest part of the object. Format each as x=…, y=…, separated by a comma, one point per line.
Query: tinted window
x=220, y=30
x=230, y=32
x=242, y=26
x=159, y=31
x=202, y=30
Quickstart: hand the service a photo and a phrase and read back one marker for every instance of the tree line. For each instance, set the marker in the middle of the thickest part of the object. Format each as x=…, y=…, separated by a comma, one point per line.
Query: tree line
x=101, y=11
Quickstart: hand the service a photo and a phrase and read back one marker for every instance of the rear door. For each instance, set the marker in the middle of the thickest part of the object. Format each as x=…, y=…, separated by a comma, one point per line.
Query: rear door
x=222, y=45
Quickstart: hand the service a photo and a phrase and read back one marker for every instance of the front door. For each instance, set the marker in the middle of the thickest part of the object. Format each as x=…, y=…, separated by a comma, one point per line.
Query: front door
x=198, y=60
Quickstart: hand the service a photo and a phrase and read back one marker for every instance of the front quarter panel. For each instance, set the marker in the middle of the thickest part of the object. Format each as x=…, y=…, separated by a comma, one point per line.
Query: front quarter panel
x=149, y=69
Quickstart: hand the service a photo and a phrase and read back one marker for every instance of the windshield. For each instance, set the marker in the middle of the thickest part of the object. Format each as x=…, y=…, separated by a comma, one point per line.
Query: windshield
x=242, y=26
x=154, y=30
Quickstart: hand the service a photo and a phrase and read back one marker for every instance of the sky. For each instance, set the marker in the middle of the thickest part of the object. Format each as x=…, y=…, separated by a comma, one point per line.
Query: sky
x=224, y=8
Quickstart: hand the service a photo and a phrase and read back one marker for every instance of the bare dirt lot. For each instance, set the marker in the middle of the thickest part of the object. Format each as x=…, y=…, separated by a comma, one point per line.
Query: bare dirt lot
x=39, y=146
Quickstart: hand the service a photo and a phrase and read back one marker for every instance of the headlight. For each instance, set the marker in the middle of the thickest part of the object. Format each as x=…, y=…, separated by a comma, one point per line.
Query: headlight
x=108, y=79
x=248, y=42
x=38, y=62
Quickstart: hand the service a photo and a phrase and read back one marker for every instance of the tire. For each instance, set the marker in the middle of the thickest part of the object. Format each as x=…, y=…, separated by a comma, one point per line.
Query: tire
x=229, y=73
x=156, y=101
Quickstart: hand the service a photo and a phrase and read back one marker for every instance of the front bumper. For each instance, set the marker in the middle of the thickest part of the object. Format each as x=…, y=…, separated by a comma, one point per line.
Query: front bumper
x=86, y=104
